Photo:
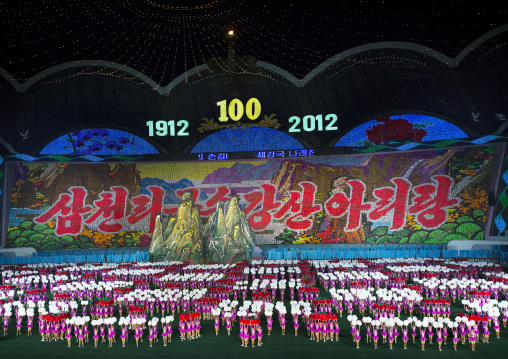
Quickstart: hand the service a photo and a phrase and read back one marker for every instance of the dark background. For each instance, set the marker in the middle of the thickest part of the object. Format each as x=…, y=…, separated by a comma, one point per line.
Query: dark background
x=70, y=65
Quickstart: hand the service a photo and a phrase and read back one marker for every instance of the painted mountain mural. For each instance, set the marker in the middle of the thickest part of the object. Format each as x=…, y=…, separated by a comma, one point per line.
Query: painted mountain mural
x=170, y=189
x=468, y=170
x=217, y=211
x=241, y=172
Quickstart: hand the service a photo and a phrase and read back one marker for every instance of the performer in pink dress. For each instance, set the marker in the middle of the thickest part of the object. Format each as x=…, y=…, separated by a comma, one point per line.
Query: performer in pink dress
x=269, y=321
x=138, y=329
x=413, y=329
x=81, y=323
x=259, y=333
x=423, y=328
x=103, y=329
x=357, y=335
x=191, y=330
x=444, y=330
x=496, y=323
x=216, y=320
x=295, y=320
x=243, y=333
x=318, y=330
x=455, y=331
x=124, y=325
x=405, y=330
x=68, y=329
x=439, y=333
x=430, y=332
x=368, y=328
x=282, y=319
x=473, y=334
x=164, y=333
x=228, y=322
x=182, y=327
x=486, y=332
x=169, y=322
x=20, y=313
x=30, y=320
x=390, y=325
x=150, y=332
x=337, y=329
x=95, y=325
x=253, y=331
x=375, y=329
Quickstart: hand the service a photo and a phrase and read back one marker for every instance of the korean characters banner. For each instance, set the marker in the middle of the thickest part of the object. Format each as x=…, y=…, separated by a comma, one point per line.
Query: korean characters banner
x=428, y=196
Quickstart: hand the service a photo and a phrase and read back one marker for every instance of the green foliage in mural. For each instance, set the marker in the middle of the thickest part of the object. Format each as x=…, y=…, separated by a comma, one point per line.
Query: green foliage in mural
x=43, y=237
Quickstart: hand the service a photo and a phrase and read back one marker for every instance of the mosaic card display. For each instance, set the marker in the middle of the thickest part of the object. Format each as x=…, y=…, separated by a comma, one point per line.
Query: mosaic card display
x=224, y=209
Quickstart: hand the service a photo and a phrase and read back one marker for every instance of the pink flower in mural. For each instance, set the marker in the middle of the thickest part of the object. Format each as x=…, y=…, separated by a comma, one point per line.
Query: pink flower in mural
x=144, y=241
x=397, y=129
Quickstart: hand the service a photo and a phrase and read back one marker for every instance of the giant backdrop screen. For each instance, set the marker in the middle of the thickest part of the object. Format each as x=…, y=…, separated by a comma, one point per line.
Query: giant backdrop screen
x=428, y=196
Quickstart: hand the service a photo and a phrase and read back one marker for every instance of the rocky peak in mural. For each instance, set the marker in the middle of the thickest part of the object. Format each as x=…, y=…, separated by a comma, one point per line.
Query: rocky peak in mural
x=49, y=180
x=228, y=234
x=181, y=238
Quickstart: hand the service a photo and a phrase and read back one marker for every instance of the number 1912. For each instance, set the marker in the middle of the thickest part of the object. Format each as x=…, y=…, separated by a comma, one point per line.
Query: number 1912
x=163, y=128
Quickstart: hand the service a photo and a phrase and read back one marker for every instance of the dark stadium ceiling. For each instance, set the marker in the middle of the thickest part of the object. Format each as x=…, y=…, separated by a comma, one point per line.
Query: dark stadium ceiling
x=163, y=39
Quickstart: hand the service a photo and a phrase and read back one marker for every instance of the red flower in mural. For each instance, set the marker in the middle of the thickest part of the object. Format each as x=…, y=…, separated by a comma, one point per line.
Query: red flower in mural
x=397, y=129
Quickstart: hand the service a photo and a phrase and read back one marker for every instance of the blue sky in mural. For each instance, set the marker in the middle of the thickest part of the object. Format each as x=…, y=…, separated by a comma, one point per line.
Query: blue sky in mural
x=98, y=141
x=248, y=139
x=436, y=129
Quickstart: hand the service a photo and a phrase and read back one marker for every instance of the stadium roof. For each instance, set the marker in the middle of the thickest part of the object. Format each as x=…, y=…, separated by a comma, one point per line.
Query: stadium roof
x=164, y=39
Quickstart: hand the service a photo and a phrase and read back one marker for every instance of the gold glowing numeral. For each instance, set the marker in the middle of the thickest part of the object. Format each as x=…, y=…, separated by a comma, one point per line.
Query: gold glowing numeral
x=235, y=109
x=223, y=111
x=253, y=108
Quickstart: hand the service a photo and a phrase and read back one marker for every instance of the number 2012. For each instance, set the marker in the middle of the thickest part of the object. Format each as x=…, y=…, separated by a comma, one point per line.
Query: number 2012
x=313, y=123
x=162, y=128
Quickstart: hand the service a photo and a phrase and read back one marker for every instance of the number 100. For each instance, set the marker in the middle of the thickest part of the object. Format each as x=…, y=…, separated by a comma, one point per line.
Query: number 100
x=236, y=108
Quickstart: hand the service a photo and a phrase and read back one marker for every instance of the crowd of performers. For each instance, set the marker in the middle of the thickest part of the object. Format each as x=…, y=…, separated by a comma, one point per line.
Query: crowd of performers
x=383, y=300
